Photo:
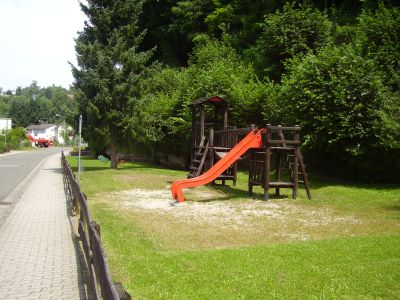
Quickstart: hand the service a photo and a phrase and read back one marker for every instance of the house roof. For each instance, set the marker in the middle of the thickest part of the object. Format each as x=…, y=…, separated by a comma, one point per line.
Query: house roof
x=39, y=127
x=214, y=100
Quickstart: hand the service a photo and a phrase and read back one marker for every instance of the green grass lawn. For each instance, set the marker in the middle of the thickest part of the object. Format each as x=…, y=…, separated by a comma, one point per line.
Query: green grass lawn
x=344, y=243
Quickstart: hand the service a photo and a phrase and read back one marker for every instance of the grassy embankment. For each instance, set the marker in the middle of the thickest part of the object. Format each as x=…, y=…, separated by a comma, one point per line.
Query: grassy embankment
x=221, y=244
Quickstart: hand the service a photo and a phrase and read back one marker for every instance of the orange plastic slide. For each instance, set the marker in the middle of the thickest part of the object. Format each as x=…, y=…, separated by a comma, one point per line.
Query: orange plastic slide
x=251, y=140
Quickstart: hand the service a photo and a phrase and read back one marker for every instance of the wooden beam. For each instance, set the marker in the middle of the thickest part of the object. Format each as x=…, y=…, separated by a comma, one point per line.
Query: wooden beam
x=202, y=123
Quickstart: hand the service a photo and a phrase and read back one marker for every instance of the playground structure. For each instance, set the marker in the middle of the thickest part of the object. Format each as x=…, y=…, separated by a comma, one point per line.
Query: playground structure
x=205, y=149
x=273, y=149
x=40, y=142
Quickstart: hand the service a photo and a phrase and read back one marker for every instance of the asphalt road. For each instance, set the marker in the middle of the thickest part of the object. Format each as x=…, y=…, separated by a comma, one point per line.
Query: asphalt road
x=15, y=168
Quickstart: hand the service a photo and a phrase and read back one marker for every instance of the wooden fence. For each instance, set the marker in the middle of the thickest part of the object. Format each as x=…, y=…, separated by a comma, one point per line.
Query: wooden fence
x=100, y=282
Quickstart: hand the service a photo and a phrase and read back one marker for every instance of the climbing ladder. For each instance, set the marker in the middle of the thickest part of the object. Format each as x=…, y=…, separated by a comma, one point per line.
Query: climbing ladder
x=302, y=174
x=198, y=160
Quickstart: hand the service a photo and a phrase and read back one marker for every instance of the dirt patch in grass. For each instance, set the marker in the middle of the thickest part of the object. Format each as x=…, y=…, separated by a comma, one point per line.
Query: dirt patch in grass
x=205, y=224
x=143, y=180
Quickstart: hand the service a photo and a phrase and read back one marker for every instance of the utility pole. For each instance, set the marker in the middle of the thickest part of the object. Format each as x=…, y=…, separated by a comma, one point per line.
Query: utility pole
x=79, y=148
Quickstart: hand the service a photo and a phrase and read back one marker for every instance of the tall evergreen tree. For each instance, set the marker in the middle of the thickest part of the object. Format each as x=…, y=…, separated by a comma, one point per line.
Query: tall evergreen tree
x=110, y=67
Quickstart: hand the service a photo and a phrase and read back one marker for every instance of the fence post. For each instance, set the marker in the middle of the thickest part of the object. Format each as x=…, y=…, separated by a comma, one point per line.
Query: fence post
x=122, y=293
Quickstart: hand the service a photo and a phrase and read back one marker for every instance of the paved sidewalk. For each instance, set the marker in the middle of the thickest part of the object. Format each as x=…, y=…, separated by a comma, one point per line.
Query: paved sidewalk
x=39, y=256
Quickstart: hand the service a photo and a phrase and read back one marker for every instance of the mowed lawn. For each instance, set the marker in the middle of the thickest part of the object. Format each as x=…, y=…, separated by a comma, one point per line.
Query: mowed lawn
x=223, y=244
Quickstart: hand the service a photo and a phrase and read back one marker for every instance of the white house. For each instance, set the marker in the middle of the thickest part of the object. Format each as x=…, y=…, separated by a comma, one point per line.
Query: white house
x=44, y=131
x=5, y=123
x=48, y=131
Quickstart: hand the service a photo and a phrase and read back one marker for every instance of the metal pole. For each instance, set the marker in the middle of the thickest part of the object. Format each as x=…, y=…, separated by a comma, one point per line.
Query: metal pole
x=79, y=148
x=65, y=133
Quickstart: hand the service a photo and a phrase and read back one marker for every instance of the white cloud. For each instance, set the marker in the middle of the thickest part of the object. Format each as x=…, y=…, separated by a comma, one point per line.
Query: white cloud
x=36, y=41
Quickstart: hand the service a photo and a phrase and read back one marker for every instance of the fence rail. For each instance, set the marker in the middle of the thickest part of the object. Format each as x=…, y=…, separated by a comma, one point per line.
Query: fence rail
x=100, y=282
x=229, y=138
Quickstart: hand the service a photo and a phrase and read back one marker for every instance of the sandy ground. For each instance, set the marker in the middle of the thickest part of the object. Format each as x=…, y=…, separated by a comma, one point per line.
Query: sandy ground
x=238, y=212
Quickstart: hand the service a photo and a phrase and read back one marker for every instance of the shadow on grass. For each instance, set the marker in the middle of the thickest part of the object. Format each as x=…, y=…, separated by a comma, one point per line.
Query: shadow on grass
x=318, y=181
x=394, y=207
x=92, y=164
x=235, y=193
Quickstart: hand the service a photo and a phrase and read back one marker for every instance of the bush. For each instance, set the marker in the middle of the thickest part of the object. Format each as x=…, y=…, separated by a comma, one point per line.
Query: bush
x=16, y=137
x=378, y=38
x=4, y=148
x=341, y=103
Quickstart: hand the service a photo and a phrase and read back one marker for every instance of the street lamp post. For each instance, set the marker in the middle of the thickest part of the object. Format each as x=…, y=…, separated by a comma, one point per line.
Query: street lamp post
x=65, y=134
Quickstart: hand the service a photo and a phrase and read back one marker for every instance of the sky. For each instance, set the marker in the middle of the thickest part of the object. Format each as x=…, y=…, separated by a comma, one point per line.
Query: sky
x=37, y=41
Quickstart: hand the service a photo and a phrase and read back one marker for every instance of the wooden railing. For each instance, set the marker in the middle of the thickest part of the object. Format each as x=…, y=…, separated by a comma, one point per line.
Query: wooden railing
x=229, y=138
x=100, y=281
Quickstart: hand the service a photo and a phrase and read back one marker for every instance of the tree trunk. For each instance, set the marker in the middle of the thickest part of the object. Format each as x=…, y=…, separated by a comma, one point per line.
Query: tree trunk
x=113, y=146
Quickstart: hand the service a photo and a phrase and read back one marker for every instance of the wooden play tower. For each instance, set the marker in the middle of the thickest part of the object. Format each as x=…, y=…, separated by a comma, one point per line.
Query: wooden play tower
x=276, y=163
x=279, y=164
x=209, y=119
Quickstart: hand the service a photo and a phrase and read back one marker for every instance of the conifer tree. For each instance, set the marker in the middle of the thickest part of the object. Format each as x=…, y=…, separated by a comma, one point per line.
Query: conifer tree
x=110, y=66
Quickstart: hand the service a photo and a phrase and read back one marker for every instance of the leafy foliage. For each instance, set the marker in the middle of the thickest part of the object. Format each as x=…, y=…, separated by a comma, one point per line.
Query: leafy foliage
x=110, y=67
x=214, y=69
x=339, y=99
x=292, y=32
x=331, y=67
x=34, y=105
x=16, y=137
x=379, y=39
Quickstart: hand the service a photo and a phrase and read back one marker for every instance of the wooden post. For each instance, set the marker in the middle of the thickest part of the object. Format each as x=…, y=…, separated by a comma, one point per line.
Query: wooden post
x=267, y=162
x=251, y=170
x=193, y=133
x=211, y=144
x=278, y=165
x=295, y=172
x=122, y=293
x=296, y=165
x=202, y=124
x=96, y=227
x=266, y=171
x=226, y=117
x=234, y=173
x=278, y=171
x=235, y=138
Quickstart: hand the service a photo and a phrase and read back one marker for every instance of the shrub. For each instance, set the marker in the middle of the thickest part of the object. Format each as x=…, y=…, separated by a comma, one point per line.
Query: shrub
x=342, y=104
x=15, y=137
x=378, y=38
x=4, y=148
